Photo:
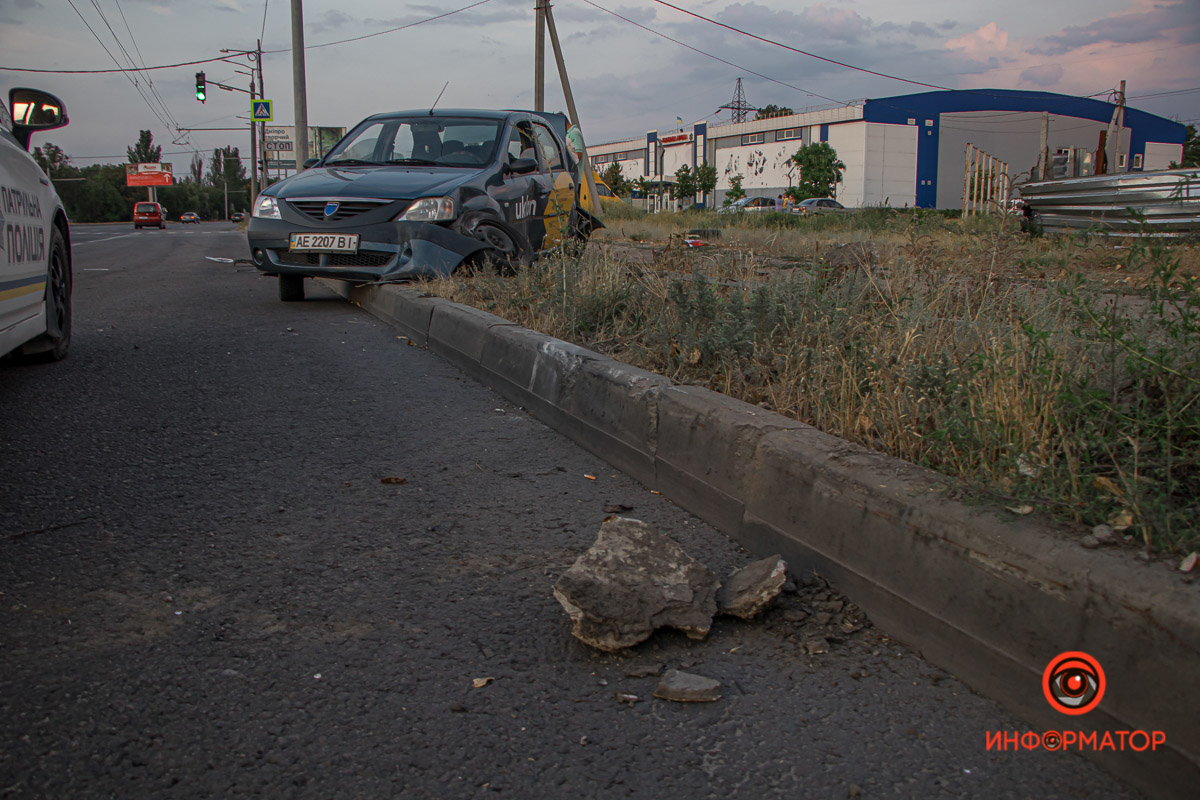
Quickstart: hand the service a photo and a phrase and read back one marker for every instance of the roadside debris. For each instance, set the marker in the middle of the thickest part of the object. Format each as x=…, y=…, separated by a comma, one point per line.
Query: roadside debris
x=1189, y=563
x=479, y=683
x=632, y=581
x=751, y=589
x=644, y=671
x=630, y=699
x=393, y=480
x=685, y=687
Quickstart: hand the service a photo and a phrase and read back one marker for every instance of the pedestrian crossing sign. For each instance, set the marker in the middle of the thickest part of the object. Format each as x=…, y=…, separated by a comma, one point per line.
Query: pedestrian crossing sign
x=260, y=110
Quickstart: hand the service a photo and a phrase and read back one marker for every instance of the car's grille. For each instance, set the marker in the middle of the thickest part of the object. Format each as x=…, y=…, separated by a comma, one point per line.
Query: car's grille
x=347, y=209
x=335, y=259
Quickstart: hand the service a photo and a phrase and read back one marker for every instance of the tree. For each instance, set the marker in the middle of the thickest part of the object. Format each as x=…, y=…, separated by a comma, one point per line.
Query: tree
x=197, y=168
x=685, y=183
x=226, y=167
x=820, y=171
x=616, y=180
x=50, y=157
x=1191, y=149
x=706, y=178
x=735, y=192
x=772, y=110
x=145, y=151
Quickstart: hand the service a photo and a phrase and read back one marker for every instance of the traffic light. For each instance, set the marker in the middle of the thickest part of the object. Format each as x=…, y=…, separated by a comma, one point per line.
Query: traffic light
x=200, y=87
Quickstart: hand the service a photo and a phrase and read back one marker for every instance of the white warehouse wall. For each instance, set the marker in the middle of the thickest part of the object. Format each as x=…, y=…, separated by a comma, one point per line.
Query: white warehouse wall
x=849, y=141
x=890, y=172
x=674, y=157
x=764, y=168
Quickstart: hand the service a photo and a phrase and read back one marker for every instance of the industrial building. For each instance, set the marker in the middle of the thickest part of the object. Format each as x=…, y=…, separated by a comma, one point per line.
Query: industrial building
x=906, y=150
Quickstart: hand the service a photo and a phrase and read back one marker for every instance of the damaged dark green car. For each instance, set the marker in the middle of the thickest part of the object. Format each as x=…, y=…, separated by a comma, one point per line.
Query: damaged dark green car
x=418, y=194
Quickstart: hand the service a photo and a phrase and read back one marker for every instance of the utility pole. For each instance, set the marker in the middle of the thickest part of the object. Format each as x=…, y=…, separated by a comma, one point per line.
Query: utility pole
x=586, y=165
x=1044, y=149
x=299, y=90
x=253, y=149
x=262, y=93
x=539, y=57
x=1120, y=125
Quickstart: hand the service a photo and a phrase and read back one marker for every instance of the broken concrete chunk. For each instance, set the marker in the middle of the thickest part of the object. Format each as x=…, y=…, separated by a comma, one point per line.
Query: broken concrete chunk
x=688, y=688
x=751, y=589
x=631, y=581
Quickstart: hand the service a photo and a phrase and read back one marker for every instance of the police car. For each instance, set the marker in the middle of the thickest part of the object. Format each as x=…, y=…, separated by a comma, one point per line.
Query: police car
x=35, y=241
x=416, y=194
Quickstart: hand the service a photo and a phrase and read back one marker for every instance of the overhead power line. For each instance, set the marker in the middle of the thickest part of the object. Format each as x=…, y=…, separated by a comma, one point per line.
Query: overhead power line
x=710, y=55
x=231, y=57
x=801, y=52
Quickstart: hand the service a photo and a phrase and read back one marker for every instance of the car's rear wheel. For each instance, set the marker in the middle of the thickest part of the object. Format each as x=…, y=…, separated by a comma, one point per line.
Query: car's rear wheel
x=291, y=288
x=54, y=344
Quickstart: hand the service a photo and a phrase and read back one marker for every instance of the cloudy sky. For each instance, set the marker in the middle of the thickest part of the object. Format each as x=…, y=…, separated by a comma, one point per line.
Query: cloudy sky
x=627, y=76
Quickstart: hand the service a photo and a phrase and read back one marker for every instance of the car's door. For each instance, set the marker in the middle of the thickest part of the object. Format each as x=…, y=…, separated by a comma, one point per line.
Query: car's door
x=522, y=195
x=26, y=213
x=560, y=187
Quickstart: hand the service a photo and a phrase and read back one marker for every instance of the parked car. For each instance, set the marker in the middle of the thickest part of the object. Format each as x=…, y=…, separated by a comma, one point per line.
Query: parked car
x=817, y=205
x=751, y=204
x=35, y=271
x=416, y=194
x=237, y=216
x=147, y=214
x=190, y=216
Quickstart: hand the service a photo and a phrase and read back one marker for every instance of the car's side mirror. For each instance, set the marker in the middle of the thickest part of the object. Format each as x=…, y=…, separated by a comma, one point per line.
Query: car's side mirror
x=522, y=166
x=34, y=110
x=310, y=162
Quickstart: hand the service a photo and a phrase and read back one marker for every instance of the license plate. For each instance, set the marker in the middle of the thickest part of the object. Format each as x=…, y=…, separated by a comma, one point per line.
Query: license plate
x=324, y=243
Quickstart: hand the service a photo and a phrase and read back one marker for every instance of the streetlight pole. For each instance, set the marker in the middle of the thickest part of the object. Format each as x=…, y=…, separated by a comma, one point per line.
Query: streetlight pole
x=299, y=90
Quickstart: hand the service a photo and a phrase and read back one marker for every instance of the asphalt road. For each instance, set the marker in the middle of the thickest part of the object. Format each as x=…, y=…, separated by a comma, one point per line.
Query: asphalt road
x=207, y=590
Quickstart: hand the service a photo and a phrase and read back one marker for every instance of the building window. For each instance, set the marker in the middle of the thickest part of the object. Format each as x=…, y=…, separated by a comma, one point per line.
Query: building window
x=753, y=138
x=790, y=133
x=912, y=121
x=1121, y=161
x=1137, y=161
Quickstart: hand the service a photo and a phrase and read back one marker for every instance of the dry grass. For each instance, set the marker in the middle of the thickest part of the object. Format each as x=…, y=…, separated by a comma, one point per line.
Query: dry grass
x=964, y=346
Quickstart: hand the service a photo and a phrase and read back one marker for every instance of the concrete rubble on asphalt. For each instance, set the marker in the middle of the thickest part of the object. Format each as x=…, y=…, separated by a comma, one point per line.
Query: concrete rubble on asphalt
x=634, y=580
x=631, y=582
x=751, y=589
x=687, y=688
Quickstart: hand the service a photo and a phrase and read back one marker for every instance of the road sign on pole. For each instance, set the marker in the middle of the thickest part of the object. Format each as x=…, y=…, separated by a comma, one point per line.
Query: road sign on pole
x=260, y=110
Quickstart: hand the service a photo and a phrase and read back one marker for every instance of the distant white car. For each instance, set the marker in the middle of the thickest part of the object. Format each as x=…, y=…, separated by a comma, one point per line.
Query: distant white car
x=749, y=204
x=35, y=265
x=817, y=205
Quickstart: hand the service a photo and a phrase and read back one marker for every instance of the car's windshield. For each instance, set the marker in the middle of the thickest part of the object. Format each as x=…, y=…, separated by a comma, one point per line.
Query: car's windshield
x=419, y=141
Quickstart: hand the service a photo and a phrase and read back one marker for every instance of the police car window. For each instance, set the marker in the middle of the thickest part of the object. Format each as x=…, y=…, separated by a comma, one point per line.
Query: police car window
x=550, y=149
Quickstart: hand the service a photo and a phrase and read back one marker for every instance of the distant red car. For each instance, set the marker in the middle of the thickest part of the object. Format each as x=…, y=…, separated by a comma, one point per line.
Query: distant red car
x=148, y=215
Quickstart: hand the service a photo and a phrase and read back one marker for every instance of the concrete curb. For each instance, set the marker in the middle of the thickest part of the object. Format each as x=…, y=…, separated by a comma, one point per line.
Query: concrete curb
x=987, y=596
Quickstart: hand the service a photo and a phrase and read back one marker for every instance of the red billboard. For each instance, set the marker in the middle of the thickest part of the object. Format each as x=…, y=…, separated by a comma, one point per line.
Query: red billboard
x=148, y=175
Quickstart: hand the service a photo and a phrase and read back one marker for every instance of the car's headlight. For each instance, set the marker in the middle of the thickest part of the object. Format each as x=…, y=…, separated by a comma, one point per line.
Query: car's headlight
x=429, y=209
x=266, y=208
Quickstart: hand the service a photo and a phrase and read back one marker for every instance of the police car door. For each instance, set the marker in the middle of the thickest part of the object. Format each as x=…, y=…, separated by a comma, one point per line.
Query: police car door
x=26, y=210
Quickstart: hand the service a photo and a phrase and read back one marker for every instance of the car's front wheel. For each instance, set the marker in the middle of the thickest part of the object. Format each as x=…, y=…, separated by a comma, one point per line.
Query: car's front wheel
x=291, y=288
x=508, y=250
x=54, y=344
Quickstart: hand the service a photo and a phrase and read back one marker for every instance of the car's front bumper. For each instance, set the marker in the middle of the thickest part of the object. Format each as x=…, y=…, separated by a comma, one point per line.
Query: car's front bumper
x=387, y=251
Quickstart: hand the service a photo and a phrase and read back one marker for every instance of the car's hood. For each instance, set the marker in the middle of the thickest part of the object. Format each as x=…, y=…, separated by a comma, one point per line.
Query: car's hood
x=398, y=183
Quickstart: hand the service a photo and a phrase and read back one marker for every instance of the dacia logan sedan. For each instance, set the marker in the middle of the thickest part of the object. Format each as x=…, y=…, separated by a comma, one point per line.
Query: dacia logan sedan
x=416, y=194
